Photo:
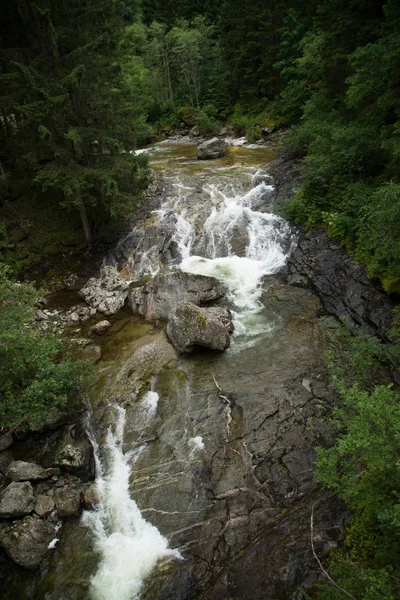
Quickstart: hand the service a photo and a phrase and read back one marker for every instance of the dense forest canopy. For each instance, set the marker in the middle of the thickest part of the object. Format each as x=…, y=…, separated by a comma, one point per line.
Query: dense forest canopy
x=83, y=83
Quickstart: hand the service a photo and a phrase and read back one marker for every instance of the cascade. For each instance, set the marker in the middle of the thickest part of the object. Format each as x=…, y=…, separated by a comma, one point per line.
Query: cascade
x=129, y=546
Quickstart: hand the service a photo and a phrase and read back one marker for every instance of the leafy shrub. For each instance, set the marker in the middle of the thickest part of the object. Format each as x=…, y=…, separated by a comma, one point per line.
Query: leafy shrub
x=207, y=125
x=188, y=114
x=38, y=375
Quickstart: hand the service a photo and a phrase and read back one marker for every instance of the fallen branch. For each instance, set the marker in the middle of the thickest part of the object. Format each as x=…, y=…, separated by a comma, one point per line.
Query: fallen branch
x=11, y=431
x=320, y=563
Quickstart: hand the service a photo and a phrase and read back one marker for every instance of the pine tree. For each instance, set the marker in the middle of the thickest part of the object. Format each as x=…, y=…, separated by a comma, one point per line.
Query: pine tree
x=68, y=116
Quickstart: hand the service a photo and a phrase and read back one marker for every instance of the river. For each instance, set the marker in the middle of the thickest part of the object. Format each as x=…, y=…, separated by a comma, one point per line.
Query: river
x=204, y=463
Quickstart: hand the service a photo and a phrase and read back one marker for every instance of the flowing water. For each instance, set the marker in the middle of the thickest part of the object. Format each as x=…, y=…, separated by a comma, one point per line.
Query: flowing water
x=186, y=447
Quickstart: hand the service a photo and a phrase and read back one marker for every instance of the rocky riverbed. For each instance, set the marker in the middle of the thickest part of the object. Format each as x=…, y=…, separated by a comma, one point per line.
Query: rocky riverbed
x=204, y=462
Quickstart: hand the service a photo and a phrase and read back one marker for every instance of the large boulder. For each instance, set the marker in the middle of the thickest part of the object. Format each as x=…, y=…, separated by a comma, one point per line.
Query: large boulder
x=17, y=500
x=160, y=296
x=26, y=471
x=27, y=541
x=68, y=502
x=190, y=326
x=108, y=293
x=213, y=148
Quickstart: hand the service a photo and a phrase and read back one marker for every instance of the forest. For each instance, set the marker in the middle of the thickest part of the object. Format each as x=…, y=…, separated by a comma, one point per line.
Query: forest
x=83, y=83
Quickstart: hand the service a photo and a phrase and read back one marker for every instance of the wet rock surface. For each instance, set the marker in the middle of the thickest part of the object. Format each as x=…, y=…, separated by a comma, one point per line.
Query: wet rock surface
x=26, y=541
x=16, y=500
x=211, y=149
x=25, y=471
x=340, y=283
x=190, y=326
x=160, y=296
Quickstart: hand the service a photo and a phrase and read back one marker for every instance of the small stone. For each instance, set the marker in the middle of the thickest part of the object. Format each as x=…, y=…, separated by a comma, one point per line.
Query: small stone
x=26, y=471
x=5, y=441
x=306, y=384
x=40, y=316
x=101, y=328
x=44, y=505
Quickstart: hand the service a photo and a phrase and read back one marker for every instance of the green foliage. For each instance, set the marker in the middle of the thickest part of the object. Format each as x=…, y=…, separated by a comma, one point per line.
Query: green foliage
x=363, y=467
x=345, y=71
x=71, y=108
x=38, y=376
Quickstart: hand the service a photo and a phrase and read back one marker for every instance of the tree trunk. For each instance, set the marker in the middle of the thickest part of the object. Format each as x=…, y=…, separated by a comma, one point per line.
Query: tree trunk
x=85, y=225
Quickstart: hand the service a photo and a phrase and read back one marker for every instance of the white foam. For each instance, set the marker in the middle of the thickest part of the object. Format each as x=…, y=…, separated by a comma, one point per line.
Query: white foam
x=266, y=251
x=149, y=404
x=195, y=444
x=129, y=546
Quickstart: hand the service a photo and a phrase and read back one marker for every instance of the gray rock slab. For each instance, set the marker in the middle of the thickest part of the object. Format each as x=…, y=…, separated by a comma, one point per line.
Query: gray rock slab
x=17, y=500
x=160, y=296
x=27, y=541
x=68, y=502
x=19, y=470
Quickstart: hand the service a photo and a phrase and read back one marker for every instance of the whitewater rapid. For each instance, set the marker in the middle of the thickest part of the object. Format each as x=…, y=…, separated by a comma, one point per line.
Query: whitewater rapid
x=129, y=546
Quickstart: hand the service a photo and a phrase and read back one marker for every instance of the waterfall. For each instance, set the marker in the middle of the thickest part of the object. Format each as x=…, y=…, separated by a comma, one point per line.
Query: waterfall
x=266, y=239
x=129, y=546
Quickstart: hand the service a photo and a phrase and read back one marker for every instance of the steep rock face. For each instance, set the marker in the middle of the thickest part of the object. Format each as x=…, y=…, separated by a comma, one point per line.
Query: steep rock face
x=190, y=326
x=160, y=296
x=108, y=293
x=27, y=541
x=213, y=148
x=341, y=284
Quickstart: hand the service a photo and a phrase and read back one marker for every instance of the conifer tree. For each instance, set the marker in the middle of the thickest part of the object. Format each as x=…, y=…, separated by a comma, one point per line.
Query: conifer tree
x=68, y=115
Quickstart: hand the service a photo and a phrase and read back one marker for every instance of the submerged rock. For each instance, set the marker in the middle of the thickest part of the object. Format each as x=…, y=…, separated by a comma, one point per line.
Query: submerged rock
x=191, y=326
x=160, y=296
x=26, y=471
x=108, y=293
x=213, y=148
x=101, y=327
x=27, y=541
x=17, y=500
x=92, y=351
